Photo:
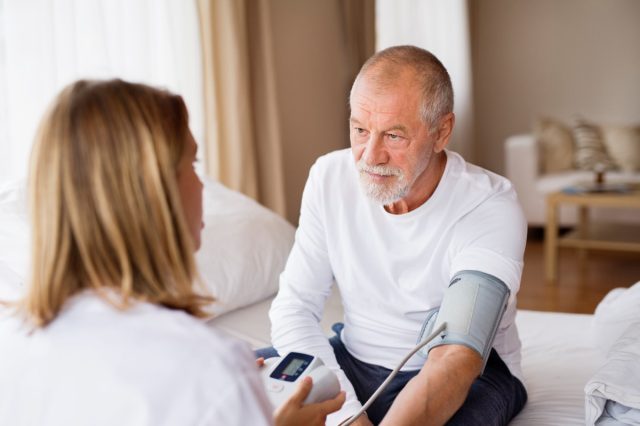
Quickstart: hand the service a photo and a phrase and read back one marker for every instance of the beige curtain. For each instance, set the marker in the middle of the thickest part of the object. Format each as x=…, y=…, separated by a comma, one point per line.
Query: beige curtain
x=243, y=143
x=242, y=136
x=358, y=22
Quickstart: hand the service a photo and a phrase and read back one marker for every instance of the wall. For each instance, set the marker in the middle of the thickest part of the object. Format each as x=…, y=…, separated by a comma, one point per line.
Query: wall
x=313, y=81
x=554, y=58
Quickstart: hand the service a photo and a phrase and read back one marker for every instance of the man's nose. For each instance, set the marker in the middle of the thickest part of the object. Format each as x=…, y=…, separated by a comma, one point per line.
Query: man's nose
x=375, y=152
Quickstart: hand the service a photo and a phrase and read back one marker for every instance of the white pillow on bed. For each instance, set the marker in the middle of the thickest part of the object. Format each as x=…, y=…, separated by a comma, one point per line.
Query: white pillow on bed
x=14, y=227
x=11, y=284
x=244, y=245
x=244, y=248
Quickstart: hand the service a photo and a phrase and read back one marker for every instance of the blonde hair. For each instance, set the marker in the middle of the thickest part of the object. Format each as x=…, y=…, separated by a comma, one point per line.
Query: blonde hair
x=105, y=207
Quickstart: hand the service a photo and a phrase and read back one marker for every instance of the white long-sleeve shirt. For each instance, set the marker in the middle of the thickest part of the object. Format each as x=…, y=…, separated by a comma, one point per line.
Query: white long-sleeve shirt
x=148, y=365
x=392, y=269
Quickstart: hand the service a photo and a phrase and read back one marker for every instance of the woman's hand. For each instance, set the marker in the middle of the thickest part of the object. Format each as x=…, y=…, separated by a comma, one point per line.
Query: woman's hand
x=293, y=412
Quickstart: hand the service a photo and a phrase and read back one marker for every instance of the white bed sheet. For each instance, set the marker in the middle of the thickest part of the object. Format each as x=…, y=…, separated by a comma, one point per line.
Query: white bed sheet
x=557, y=356
x=558, y=359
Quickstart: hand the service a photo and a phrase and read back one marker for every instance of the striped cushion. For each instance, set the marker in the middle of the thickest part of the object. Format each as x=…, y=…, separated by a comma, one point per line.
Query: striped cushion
x=589, y=151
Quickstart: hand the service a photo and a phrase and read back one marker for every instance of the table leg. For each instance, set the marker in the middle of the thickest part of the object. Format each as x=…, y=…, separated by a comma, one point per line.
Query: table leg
x=583, y=234
x=551, y=240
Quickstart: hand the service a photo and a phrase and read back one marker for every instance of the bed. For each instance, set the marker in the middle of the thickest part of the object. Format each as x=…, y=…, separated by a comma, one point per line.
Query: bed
x=245, y=246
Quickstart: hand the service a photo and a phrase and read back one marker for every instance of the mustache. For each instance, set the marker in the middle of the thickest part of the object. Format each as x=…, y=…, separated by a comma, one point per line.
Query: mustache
x=378, y=170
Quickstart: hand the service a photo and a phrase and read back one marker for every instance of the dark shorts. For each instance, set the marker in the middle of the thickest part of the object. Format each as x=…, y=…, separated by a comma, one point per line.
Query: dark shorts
x=494, y=398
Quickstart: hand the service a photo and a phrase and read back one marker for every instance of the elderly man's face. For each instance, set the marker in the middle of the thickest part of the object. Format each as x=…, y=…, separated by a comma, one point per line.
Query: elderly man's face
x=390, y=143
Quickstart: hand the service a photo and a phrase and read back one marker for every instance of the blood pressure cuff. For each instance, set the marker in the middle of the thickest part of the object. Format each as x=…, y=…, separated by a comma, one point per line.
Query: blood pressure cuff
x=472, y=308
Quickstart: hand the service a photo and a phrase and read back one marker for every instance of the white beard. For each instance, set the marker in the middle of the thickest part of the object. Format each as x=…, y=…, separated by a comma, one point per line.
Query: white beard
x=382, y=193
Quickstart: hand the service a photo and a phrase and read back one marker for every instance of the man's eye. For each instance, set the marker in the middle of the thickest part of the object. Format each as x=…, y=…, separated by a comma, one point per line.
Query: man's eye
x=393, y=136
x=360, y=130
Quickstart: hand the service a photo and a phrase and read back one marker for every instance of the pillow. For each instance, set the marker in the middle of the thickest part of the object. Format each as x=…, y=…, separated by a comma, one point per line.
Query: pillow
x=556, y=145
x=244, y=248
x=14, y=227
x=590, y=152
x=244, y=245
x=623, y=145
x=11, y=285
x=612, y=394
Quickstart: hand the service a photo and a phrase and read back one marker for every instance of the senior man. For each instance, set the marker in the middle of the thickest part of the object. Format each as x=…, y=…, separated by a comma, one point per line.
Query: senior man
x=393, y=221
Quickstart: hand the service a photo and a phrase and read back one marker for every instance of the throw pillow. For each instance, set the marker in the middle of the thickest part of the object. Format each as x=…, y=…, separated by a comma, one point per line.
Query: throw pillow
x=590, y=152
x=623, y=145
x=556, y=145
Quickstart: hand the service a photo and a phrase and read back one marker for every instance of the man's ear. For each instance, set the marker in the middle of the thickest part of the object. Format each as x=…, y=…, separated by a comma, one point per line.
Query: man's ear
x=445, y=127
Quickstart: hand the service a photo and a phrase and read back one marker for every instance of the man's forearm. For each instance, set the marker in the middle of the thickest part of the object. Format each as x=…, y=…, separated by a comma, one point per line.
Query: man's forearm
x=439, y=389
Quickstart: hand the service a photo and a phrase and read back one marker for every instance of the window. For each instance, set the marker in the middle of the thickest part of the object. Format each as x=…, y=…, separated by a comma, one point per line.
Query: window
x=46, y=44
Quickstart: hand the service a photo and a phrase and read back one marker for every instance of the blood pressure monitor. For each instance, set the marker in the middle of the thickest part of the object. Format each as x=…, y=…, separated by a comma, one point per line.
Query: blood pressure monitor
x=282, y=375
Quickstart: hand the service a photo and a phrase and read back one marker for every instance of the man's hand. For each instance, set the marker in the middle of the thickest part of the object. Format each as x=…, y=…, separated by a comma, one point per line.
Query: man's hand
x=293, y=412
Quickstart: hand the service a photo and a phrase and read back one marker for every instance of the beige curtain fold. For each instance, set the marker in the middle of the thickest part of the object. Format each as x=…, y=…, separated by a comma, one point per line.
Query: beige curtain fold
x=266, y=117
x=242, y=139
x=358, y=22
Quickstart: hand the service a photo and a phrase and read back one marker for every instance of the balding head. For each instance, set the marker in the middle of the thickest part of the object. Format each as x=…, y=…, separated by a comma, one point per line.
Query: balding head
x=386, y=67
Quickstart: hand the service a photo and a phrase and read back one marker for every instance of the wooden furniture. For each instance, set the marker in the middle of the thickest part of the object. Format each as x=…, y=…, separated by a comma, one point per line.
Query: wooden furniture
x=522, y=168
x=588, y=235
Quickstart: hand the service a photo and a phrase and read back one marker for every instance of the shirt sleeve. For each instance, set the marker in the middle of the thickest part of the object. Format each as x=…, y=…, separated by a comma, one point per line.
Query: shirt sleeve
x=305, y=285
x=491, y=239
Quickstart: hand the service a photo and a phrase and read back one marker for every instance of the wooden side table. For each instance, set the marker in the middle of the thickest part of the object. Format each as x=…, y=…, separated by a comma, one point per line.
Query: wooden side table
x=588, y=235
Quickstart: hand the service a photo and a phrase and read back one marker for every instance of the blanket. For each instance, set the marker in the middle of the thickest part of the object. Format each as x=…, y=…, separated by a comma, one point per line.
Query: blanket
x=613, y=392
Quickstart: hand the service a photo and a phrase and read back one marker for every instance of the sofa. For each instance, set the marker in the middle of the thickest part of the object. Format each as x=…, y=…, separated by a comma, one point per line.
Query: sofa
x=525, y=167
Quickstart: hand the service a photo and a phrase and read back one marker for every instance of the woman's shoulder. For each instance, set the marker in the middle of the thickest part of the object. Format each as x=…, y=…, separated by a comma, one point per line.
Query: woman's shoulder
x=93, y=330
x=154, y=324
x=92, y=325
